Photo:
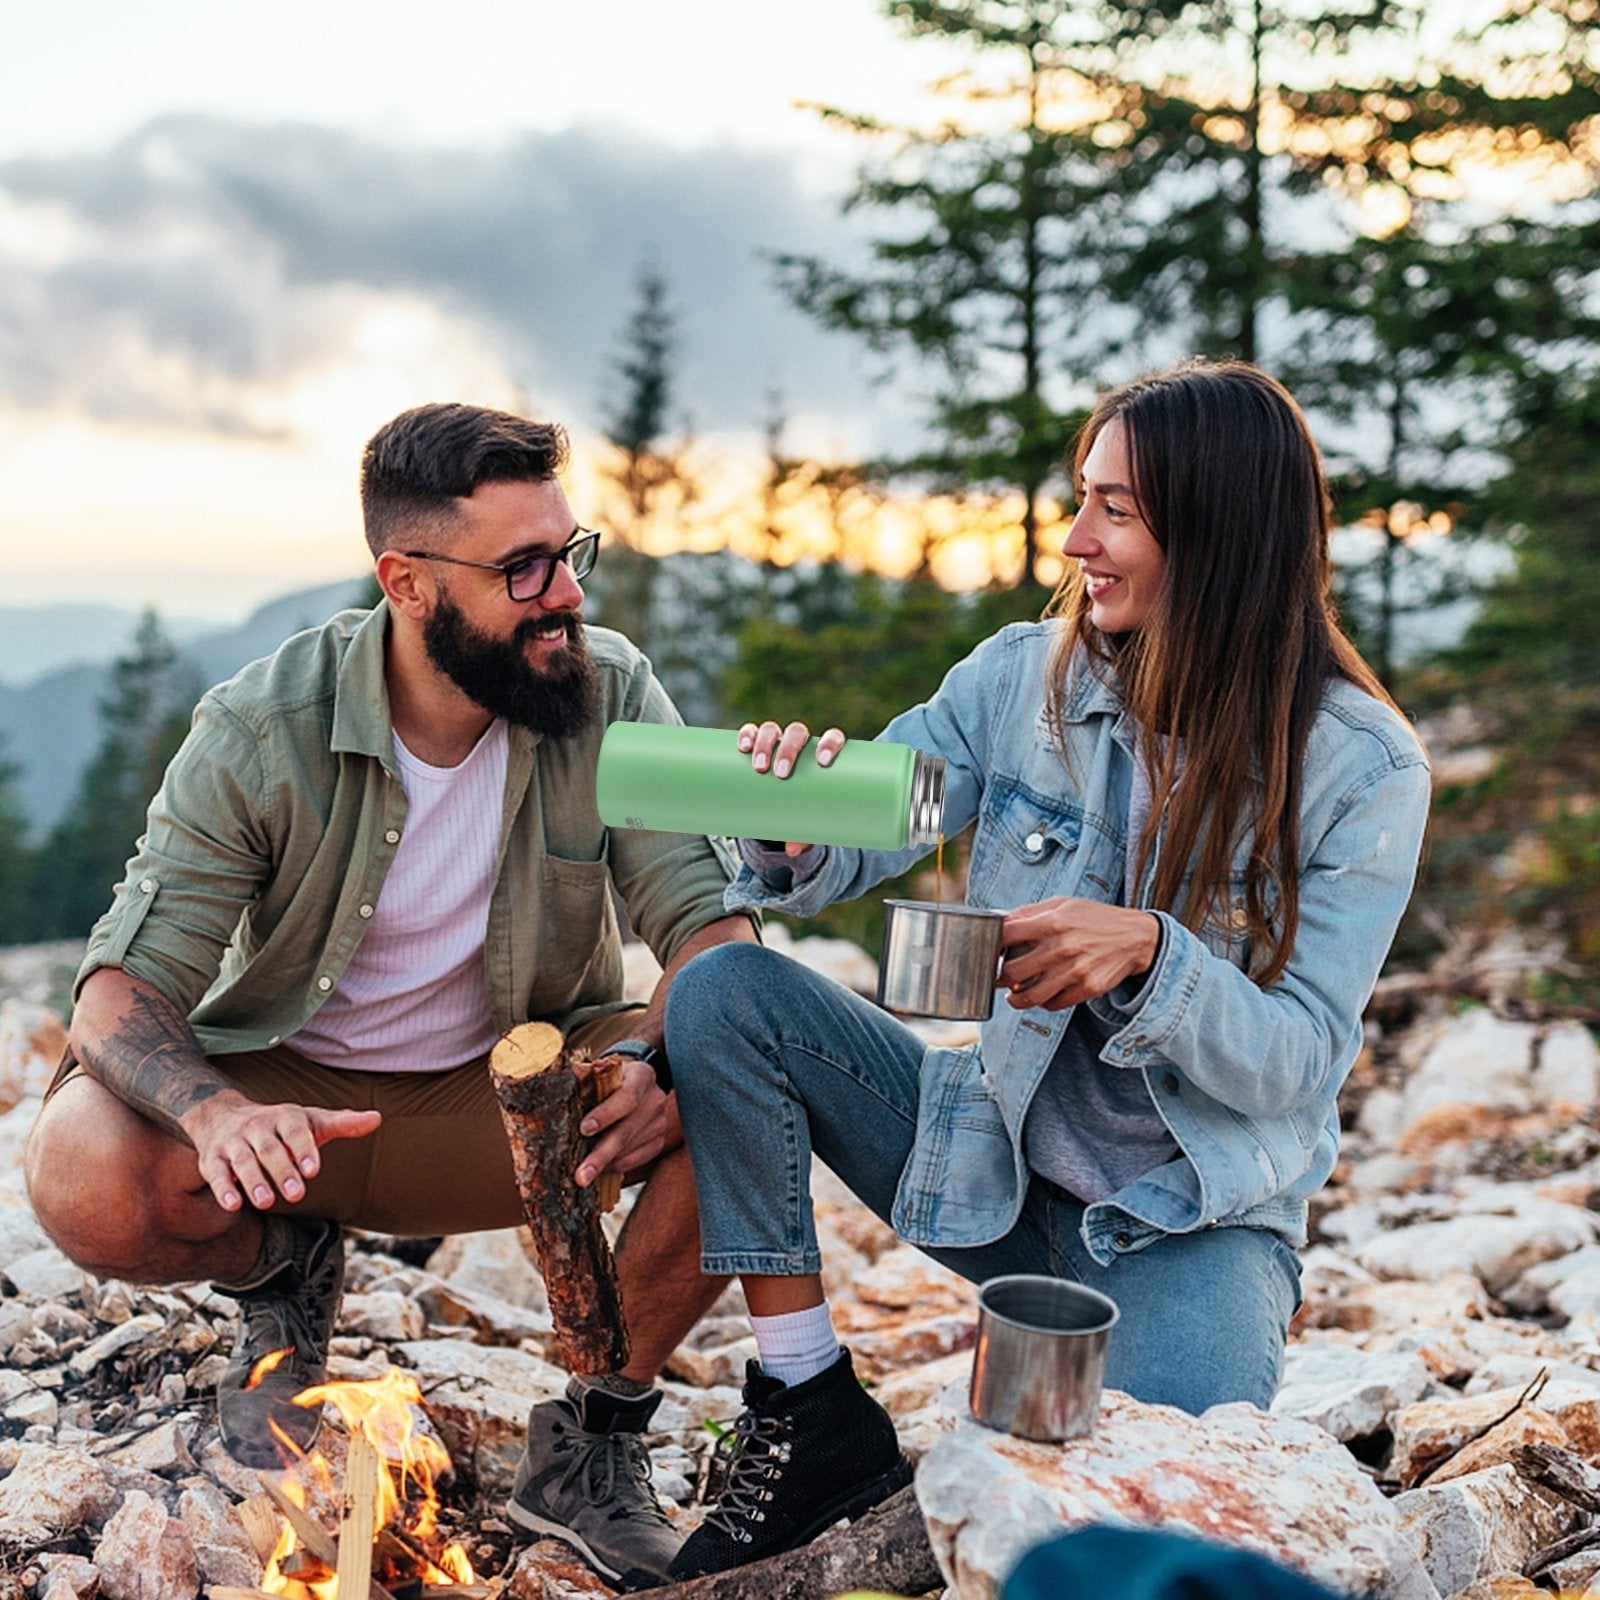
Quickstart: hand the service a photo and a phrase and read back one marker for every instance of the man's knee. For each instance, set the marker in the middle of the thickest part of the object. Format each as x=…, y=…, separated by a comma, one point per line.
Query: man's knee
x=94, y=1175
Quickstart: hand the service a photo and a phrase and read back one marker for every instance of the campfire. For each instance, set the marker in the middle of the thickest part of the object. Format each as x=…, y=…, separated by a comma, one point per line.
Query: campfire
x=379, y=1485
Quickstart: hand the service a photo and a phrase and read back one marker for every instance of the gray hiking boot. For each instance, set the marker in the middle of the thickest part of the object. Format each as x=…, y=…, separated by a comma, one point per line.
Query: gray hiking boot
x=584, y=1478
x=288, y=1305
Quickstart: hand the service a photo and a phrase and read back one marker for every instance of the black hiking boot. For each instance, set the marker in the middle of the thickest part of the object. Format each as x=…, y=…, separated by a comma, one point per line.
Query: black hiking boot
x=288, y=1305
x=798, y=1460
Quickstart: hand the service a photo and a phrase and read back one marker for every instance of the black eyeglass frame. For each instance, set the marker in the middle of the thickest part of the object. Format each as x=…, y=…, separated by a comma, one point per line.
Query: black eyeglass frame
x=586, y=545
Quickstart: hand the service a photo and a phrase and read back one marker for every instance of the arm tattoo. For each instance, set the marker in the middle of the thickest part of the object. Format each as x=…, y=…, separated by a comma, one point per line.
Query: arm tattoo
x=151, y=1060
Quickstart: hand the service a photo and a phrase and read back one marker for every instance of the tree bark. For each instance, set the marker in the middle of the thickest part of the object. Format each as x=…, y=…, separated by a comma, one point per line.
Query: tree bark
x=886, y=1550
x=542, y=1101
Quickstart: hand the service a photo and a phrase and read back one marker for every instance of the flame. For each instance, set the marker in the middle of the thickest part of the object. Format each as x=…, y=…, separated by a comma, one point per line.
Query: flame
x=385, y=1412
x=267, y=1364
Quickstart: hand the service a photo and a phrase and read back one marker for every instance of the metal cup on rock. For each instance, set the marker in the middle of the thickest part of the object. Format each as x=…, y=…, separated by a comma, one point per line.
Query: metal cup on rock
x=1040, y=1361
x=939, y=960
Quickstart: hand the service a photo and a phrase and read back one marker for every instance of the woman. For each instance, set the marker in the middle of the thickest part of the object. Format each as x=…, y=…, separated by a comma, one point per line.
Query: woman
x=1201, y=815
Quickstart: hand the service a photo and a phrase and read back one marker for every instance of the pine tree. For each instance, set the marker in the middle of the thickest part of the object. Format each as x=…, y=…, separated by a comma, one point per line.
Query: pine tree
x=17, y=919
x=144, y=715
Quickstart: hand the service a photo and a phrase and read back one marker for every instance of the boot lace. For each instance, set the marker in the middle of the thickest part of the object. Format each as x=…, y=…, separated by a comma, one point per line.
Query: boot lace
x=606, y=1466
x=753, y=1454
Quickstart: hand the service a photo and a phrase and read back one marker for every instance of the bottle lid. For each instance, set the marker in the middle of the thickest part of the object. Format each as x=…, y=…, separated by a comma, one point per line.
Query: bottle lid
x=927, y=800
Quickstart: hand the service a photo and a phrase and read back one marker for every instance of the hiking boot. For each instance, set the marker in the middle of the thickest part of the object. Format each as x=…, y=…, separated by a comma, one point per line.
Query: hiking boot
x=584, y=1478
x=798, y=1459
x=288, y=1305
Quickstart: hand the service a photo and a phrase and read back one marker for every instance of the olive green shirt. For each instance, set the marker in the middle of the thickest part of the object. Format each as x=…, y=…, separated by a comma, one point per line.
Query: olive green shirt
x=267, y=846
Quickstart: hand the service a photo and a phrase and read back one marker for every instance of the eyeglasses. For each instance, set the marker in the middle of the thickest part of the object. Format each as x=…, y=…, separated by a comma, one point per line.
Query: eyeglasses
x=529, y=576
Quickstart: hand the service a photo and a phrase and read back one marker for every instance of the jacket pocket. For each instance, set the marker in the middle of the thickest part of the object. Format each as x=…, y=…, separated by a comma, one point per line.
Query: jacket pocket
x=1021, y=833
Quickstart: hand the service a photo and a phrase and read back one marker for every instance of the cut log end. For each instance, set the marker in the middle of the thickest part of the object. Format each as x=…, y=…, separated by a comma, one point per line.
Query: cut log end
x=525, y=1052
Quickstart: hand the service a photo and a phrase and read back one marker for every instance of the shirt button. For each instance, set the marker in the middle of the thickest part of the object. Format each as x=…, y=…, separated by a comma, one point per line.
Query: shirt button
x=1169, y=1082
x=393, y=836
x=1035, y=842
x=324, y=984
x=147, y=886
x=366, y=911
x=277, y=1038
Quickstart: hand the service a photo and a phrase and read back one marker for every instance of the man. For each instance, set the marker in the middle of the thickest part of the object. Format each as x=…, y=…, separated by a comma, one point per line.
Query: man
x=376, y=851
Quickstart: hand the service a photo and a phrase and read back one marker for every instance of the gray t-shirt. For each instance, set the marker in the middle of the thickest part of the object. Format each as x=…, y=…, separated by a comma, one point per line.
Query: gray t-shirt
x=1093, y=1128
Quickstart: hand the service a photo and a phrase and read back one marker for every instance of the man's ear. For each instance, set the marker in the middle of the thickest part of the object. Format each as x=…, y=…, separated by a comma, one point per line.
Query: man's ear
x=407, y=592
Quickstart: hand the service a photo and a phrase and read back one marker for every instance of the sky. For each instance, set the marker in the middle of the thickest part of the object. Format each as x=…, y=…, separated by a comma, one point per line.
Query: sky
x=235, y=238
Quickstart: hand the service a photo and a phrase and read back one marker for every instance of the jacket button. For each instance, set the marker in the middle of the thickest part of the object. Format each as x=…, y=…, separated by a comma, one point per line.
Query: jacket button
x=1169, y=1082
x=1034, y=842
x=1121, y=1240
x=1239, y=917
x=146, y=886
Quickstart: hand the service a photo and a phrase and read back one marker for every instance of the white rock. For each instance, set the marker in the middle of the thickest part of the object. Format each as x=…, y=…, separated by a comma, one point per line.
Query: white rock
x=493, y=1263
x=1479, y=1059
x=222, y=1549
x=1568, y=1284
x=31, y=1041
x=1345, y=1390
x=1568, y=1072
x=46, y=1274
x=1474, y=1527
x=1382, y=1117
x=38, y=1409
x=51, y=1491
x=164, y=1449
x=1497, y=1249
x=134, y=1331
x=386, y=1316
x=1270, y=1484
x=146, y=1555
x=480, y=1398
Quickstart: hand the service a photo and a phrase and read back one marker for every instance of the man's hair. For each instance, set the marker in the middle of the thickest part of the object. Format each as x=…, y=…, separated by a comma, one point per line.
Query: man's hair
x=415, y=468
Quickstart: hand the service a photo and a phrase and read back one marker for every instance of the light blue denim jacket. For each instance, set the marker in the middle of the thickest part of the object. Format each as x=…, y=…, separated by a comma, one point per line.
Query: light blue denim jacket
x=1246, y=1079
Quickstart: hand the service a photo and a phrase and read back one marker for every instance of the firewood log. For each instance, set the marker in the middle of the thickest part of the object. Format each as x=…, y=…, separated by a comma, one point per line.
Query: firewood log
x=543, y=1102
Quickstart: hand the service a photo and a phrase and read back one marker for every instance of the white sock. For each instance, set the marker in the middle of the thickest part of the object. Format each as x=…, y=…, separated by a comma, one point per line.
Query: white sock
x=797, y=1345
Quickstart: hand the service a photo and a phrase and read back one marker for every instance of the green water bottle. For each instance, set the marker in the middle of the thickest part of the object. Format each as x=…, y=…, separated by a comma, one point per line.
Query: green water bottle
x=875, y=796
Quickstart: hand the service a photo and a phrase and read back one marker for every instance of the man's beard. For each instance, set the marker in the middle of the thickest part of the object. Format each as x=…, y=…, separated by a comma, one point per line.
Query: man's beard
x=556, y=701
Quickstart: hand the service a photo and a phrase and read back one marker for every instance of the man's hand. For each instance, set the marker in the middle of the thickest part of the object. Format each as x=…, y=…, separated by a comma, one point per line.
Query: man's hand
x=637, y=1122
x=1062, y=952
x=256, y=1152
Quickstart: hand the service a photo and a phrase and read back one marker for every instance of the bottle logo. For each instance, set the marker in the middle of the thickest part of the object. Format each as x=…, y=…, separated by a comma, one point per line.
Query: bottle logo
x=633, y=822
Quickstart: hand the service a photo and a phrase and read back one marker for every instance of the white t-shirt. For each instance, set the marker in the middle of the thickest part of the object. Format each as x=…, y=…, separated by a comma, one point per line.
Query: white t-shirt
x=414, y=997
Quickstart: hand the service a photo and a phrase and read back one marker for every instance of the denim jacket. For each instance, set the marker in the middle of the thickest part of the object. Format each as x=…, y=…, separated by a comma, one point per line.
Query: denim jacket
x=1246, y=1079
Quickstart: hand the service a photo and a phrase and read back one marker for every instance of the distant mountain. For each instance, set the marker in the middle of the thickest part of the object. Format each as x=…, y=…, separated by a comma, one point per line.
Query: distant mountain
x=50, y=727
x=35, y=640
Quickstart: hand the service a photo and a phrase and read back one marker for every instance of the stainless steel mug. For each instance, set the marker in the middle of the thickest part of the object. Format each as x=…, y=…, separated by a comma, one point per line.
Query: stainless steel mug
x=939, y=960
x=1041, y=1357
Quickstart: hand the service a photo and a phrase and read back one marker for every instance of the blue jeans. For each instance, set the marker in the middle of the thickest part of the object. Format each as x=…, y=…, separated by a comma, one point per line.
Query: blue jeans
x=774, y=1063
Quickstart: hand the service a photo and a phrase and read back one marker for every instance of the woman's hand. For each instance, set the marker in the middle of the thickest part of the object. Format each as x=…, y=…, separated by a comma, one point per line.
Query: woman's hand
x=770, y=746
x=1062, y=952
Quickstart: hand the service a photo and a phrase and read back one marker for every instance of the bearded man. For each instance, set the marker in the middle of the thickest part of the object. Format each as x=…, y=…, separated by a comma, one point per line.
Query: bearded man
x=377, y=851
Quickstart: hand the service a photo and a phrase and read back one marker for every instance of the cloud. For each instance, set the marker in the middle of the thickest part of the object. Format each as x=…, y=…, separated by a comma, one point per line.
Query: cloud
x=184, y=273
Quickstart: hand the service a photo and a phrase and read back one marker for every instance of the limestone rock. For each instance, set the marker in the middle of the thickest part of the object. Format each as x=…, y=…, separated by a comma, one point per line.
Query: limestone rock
x=550, y=1570
x=32, y=1040
x=46, y=1274
x=480, y=1398
x=495, y=1321
x=386, y=1315
x=163, y=1449
x=1481, y=1526
x=1569, y=1284
x=145, y=1555
x=223, y=1551
x=1345, y=1390
x=1270, y=1484
x=492, y=1263
x=51, y=1491
x=1428, y=1432
x=134, y=1331
x=1496, y=1249
x=1569, y=1067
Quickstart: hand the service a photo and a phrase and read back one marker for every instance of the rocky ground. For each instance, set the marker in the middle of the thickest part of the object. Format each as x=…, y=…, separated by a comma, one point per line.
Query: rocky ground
x=1452, y=1316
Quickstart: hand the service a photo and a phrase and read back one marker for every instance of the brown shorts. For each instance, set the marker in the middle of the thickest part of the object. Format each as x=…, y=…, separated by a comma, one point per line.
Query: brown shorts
x=438, y=1164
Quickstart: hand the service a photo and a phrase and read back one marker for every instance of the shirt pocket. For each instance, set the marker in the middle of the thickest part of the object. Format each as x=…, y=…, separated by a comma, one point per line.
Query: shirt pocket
x=1027, y=844
x=580, y=923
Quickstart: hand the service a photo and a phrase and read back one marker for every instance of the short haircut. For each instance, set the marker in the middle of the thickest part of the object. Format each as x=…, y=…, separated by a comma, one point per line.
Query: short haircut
x=415, y=468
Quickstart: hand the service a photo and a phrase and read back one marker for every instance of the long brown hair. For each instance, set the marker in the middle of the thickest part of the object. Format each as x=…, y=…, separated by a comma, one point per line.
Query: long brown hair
x=1232, y=660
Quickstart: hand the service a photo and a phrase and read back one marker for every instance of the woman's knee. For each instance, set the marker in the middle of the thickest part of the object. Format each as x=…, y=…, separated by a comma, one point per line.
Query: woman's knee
x=718, y=993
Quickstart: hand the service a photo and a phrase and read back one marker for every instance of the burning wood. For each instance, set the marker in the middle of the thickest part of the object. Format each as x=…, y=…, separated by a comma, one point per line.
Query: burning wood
x=389, y=1545
x=544, y=1092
